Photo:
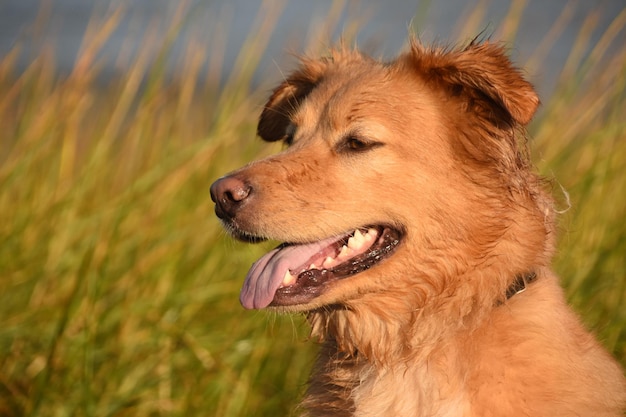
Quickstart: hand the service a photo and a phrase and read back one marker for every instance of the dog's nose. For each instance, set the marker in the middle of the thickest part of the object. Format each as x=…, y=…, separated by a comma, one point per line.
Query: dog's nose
x=229, y=193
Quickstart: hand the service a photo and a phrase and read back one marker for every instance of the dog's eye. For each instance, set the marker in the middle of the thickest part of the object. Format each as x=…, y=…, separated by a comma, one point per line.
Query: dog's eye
x=354, y=143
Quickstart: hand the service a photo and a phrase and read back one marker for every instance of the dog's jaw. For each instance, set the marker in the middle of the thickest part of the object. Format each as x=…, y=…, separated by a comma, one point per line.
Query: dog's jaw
x=293, y=276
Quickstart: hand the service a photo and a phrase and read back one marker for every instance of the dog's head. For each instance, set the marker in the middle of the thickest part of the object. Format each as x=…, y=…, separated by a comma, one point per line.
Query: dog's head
x=400, y=176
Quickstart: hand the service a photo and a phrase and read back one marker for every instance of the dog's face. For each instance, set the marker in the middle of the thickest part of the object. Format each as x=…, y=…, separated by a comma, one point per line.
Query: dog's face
x=392, y=171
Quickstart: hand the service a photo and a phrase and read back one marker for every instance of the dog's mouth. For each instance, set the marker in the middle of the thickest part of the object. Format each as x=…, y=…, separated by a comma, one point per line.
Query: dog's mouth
x=295, y=274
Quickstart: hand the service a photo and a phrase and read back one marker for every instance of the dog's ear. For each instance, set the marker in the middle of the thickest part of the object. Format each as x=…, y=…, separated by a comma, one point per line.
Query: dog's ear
x=286, y=99
x=485, y=78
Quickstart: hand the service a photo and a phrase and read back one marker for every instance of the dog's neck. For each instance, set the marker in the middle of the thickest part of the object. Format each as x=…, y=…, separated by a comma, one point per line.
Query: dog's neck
x=370, y=329
x=365, y=341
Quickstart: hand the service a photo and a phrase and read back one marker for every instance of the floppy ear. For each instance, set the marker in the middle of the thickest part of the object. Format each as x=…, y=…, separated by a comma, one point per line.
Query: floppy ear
x=484, y=76
x=286, y=99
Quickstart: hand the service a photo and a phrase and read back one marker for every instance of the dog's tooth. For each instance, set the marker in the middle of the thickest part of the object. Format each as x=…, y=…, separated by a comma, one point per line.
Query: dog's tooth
x=312, y=266
x=288, y=279
x=344, y=252
x=358, y=236
x=356, y=242
x=328, y=262
x=353, y=243
x=372, y=232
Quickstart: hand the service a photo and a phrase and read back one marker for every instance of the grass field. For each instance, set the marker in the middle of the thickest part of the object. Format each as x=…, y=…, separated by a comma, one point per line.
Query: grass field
x=118, y=288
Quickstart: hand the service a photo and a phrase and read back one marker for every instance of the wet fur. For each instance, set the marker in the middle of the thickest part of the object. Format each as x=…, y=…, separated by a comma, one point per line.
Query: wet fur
x=429, y=331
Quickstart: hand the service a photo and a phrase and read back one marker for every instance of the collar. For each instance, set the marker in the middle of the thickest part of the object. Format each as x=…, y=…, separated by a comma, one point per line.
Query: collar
x=519, y=285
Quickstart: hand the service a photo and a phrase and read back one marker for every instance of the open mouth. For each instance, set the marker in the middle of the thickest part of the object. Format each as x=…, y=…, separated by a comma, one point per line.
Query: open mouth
x=294, y=274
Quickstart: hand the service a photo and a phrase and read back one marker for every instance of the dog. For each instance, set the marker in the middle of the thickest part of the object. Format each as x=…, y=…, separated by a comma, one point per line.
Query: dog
x=418, y=240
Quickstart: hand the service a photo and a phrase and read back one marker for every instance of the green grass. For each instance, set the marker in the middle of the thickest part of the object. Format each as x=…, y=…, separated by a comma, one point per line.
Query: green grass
x=118, y=287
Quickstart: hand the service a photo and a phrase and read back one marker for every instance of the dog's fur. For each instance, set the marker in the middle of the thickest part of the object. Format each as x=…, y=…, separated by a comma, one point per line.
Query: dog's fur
x=441, y=156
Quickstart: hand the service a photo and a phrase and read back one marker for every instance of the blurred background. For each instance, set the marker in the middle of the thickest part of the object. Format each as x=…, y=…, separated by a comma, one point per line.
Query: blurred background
x=299, y=25
x=118, y=287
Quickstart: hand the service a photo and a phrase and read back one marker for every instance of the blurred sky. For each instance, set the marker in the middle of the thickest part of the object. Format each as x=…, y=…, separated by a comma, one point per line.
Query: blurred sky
x=383, y=27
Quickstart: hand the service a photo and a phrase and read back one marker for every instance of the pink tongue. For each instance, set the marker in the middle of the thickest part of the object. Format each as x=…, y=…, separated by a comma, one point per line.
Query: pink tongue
x=266, y=275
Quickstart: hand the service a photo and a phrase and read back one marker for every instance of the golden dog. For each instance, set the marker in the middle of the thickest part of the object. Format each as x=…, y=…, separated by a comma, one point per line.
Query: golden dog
x=418, y=241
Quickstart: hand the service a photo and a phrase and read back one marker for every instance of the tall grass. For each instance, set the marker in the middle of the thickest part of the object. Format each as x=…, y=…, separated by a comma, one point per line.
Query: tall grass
x=118, y=288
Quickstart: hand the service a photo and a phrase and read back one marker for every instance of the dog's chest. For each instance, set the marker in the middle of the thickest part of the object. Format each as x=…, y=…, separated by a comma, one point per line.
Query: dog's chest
x=407, y=393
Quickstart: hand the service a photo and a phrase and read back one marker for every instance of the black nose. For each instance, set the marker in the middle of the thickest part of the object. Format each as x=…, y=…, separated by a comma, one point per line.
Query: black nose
x=229, y=194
